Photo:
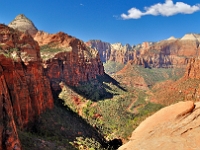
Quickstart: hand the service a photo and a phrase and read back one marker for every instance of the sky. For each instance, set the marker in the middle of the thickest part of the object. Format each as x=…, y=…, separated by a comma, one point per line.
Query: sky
x=125, y=21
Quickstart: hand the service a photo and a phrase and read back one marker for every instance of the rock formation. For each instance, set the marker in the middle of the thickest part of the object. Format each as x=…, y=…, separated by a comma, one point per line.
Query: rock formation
x=24, y=90
x=103, y=48
x=174, y=127
x=193, y=69
x=69, y=60
x=167, y=53
x=9, y=137
x=186, y=88
x=113, y=52
x=73, y=63
x=27, y=79
x=23, y=24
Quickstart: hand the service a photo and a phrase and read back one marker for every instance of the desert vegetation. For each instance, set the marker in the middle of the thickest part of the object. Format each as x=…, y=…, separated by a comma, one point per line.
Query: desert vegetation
x=113, y=116
x=92, y=114
x=112, y=67
x=48, y=51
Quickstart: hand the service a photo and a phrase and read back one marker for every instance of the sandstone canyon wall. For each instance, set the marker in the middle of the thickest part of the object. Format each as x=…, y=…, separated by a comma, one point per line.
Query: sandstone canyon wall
x=193, y=69
x=112, y=52
x=73, y=63
x=24, y=90
x=66, y=59
x=27, y=79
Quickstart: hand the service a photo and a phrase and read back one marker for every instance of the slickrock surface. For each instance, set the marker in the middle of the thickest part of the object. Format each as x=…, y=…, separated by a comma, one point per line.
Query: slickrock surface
x=174, y=127
x=24, y=90
x=23, y=24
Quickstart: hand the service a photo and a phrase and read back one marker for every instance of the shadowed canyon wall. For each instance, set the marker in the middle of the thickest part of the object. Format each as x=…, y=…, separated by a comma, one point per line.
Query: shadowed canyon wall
x=27, y=76
x=73, y=63
x=25, y=91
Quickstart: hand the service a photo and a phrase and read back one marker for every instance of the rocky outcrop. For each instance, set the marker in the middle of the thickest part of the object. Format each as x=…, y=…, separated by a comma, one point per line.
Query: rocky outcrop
x=193, y=69
x=74, y=62
x=23, y=24
x=121, y=54
x=103, y=48
x=24, y=90
x=9, y=137
x=174, y=127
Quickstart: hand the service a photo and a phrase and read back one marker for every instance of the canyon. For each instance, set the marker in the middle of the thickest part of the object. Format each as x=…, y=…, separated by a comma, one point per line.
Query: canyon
x=44, y=75
x=178, y=122
x=27, y=80
x=25, y=91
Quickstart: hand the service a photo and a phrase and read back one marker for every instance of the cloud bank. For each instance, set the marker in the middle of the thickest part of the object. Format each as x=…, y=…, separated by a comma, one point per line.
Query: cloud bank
x=169, y=8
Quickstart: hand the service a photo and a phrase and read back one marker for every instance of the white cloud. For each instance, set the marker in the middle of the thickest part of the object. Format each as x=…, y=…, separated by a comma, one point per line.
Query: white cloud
x=166, y=9
x=133, y=13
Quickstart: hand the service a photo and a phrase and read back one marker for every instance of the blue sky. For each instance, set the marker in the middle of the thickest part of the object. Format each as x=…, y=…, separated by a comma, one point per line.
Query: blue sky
x=125, y=21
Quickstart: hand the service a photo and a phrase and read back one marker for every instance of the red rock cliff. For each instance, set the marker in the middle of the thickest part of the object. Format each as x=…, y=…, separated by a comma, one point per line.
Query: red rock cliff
x=193, y=69
x=24, y=90
x=9, y=137
x=74, y=62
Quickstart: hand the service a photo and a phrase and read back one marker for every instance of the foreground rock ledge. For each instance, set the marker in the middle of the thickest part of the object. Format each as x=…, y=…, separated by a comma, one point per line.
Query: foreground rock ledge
x=174, y=127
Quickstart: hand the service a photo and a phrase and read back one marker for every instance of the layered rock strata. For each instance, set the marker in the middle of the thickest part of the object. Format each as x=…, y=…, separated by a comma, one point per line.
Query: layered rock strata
x=74, y=62
x=24, y=90
x=174, y=127
x=113, y=52
x=167, y=53
x=27, y=79
x=193, y=69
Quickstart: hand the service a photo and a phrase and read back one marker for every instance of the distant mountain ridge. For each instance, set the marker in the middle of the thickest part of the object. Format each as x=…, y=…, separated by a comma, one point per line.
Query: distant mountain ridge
x=163, y=54
x=117, y=52
x=168, y=53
